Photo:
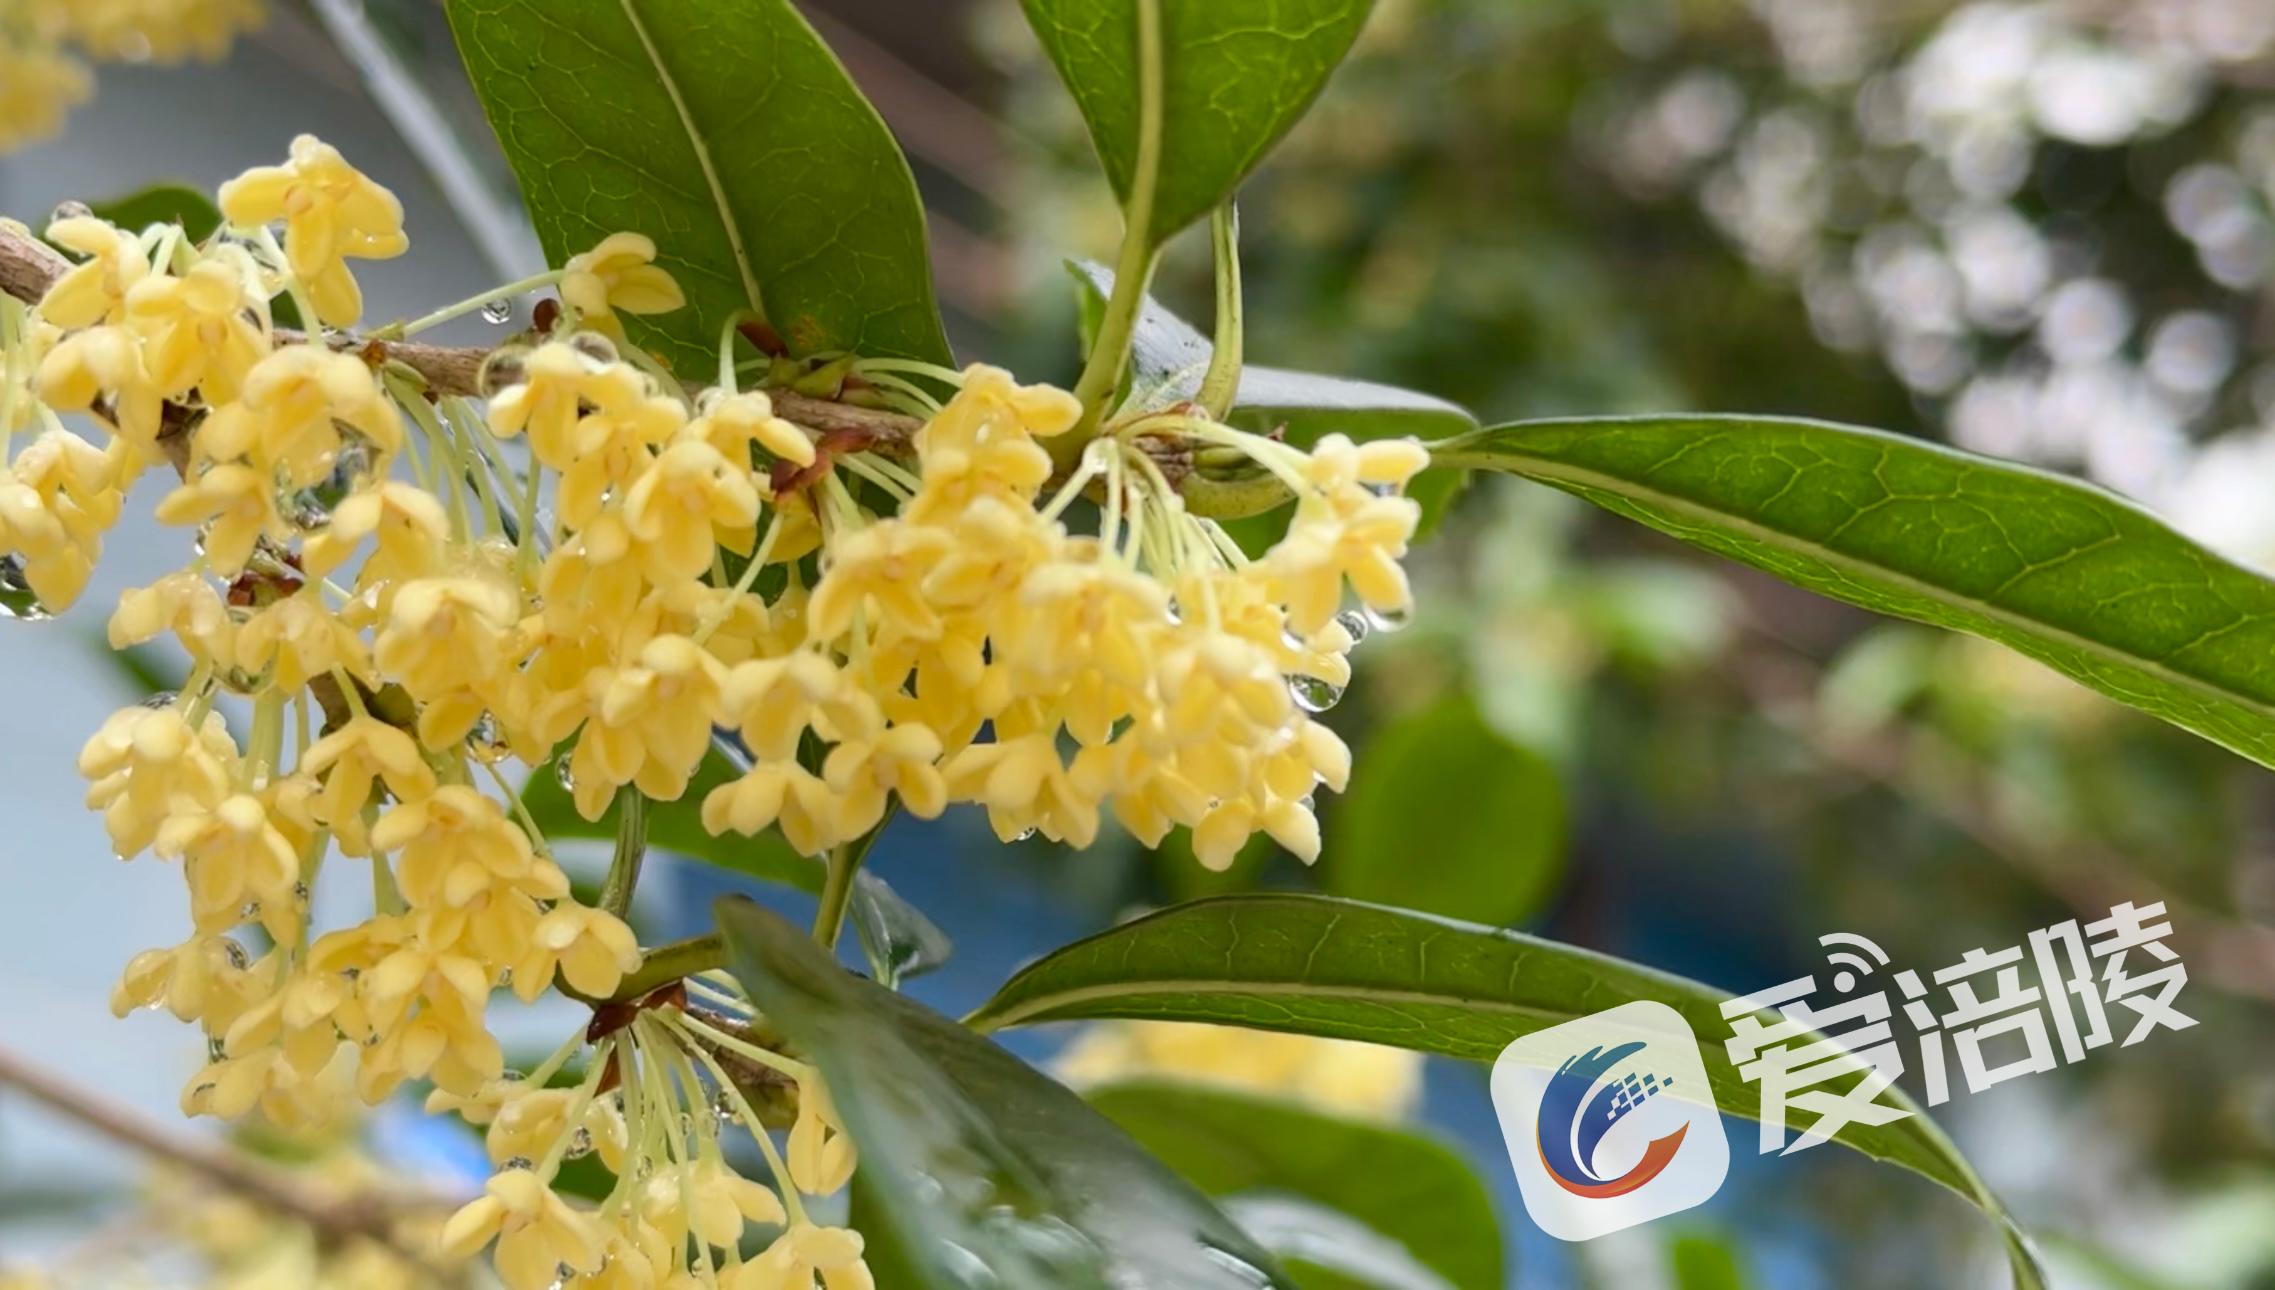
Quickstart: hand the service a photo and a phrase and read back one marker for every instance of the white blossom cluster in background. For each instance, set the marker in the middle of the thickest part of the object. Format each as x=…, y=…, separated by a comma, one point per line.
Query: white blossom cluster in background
x=1997, y=201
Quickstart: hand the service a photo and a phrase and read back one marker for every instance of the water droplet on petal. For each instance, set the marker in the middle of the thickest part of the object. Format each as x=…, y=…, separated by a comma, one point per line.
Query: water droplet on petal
x=505, y=367
x=1388, y=620
x=580, y=1144
x=310, y=508
x=17, y=599
x=724, y=1110
x=600, y=349
x=1314, y=694
x=497, y=312
x=215, y=1050
x=518, y=1162
x=69, y=210
x=161, y=701
x=1024, y=834
x=567, y=777
x=1354, y=623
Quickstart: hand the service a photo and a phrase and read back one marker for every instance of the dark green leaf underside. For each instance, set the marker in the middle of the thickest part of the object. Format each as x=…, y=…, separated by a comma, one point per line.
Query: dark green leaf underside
x=726, y=131
x=1235, y=78
x=967, y=1152
x=2064, y=572
x=1321, y=966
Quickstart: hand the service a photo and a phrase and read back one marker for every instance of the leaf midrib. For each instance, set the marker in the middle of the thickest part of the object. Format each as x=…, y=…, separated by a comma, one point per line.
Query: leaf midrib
x=1500, y=457
x=986, y=1022
x=695, y=139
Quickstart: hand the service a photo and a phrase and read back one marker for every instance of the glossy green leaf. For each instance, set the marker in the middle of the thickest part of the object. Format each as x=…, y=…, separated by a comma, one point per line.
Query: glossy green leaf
x=969, y=1154
x=896, y=937
x=1321, y=966
x=163, y=204
x=1327, y=1249
x=1450, y=818
x=1408, y=1187
x=726, y=131
x=2072, y=576
x=1234, y=78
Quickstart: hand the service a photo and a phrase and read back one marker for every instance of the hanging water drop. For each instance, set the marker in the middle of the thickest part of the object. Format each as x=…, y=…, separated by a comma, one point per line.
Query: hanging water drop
x=1024, y=834
x=1389, y=620
x=215, y=1050
x=1314, y=694
x=497, y=312
x=580, y=1144
x=1354, y=623
x=17, y=599
x=724, y=1110
x=566, y=777
x=486, y=742
x=235, y=953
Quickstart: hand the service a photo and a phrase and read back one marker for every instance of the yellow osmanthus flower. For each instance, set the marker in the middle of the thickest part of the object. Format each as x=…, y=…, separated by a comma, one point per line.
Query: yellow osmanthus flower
x=619, y=274
x=331, y=212
x=38, y=86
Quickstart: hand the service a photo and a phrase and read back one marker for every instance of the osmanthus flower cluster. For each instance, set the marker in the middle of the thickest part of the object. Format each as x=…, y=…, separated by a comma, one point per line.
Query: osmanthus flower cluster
x=43, y=44
x=881, y=622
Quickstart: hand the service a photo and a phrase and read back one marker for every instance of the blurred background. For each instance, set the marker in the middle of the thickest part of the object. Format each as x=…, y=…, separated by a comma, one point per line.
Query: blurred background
x=2040, y=230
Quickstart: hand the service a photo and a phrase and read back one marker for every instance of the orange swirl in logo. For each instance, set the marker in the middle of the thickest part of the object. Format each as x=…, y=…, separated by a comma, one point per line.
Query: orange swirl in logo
x=1656, y=1157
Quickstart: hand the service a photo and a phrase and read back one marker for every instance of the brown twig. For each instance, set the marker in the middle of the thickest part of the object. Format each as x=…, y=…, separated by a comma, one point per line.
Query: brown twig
x=334, y=1217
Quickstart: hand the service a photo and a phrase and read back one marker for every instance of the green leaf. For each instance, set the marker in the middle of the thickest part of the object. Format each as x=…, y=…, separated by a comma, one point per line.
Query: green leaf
x=896, y=937
x=726, y=131
x=1234, y=78
x=969, y=1153
x=1450, y=818
x=1705, y=1261
x=1408, y=1187
x=1320, y=966
x=2072, y=576
x=163, y=204
x=1326, y=1249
